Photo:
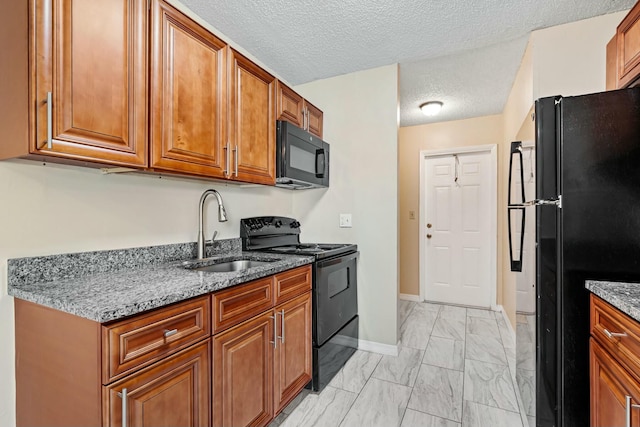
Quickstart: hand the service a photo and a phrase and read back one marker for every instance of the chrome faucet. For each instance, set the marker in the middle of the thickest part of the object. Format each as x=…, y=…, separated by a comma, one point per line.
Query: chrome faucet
x=222, y=217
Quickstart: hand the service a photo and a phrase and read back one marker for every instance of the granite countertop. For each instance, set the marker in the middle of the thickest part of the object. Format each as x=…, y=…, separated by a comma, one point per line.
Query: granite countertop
x=623, y=296
x=109, y=285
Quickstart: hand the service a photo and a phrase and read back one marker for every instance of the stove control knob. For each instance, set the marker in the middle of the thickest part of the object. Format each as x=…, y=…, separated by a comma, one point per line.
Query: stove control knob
x=278, y=223
x=294, y=224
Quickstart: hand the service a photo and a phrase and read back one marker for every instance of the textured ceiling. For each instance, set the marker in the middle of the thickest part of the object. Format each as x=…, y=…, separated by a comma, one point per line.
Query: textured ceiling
x=464, y=53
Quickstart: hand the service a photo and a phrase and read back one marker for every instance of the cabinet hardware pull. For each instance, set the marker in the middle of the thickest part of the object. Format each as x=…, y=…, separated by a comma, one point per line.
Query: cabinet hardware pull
x=236, y=159
x=282, y=336
x=168, y=333
x=49, y=120
x=227, y=159
x=123, y=395
x=628, y=406
x=275, y=332
x=613, y=335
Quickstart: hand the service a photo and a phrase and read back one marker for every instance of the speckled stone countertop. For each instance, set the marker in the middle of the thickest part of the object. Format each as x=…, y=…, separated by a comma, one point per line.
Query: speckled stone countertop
x=624, y=296
x=109, y=285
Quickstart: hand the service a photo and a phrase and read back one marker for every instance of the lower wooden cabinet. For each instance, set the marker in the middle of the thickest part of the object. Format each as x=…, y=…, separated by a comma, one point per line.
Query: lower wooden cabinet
x=260, y=365
x=292, y=361
x=613, y=391
x=614, y=374
x=169, y=365
x=242, y=372
x=174, y=392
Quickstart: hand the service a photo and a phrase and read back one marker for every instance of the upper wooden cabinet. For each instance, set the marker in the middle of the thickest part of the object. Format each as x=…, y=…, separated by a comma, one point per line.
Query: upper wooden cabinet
x=88, y=68
x=252, y=121
x=297, y=110
x=138, y=84
x=623, y=52
x=188, y=95
x=628, y=52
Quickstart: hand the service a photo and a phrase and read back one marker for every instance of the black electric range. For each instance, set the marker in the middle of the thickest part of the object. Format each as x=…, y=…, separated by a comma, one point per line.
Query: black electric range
x=334, y=289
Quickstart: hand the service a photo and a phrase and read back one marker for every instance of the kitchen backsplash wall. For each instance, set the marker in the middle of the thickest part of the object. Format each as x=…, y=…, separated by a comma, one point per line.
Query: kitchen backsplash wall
x=56, y=209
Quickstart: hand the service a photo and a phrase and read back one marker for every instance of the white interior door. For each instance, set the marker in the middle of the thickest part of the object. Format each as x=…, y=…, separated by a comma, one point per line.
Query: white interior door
x=526, y=279
x=458, y=243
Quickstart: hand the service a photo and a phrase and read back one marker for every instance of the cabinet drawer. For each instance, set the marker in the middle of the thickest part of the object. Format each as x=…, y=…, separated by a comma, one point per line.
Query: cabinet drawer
x=607, y=320
x=292, y=283
x=240, y=303
x=143, y=339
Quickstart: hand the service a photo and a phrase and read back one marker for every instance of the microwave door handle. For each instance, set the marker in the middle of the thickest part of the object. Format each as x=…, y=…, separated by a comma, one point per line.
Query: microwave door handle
x=320, y=162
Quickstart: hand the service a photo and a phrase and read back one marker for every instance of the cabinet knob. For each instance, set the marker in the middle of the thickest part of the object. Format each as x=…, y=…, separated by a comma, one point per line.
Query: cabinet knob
x=429, y=236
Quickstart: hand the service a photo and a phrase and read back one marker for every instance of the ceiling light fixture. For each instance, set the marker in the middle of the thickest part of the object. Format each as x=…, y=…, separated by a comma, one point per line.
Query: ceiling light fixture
x=431, y=108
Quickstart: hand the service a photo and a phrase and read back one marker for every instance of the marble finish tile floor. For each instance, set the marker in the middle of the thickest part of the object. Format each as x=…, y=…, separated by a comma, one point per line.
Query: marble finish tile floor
x=455, y=368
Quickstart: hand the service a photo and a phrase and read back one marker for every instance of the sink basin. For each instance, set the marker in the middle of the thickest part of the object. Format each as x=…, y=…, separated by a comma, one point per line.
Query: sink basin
x=226, y=267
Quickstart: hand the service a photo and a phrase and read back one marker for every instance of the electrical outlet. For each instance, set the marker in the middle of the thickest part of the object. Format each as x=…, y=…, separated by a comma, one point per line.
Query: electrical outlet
x=345, y=220
x=412, y=214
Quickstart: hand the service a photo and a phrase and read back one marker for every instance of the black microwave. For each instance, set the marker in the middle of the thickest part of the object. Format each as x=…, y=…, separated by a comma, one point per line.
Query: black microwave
x=302, y=159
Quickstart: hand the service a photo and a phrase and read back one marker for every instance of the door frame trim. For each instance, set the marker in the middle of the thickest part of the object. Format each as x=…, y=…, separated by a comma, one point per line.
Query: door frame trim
x=492, y=150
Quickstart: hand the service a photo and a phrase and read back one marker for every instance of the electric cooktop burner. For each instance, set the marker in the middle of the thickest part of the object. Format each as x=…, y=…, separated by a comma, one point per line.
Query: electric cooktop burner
x=282, y=235
x=308, y=247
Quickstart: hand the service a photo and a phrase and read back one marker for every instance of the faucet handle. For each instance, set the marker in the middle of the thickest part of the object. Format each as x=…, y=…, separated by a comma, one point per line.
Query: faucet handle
x=215, y=233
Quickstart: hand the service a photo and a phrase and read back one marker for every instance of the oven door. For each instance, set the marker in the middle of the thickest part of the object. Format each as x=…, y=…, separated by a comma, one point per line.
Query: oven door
x=302, y=160
x=335, y=296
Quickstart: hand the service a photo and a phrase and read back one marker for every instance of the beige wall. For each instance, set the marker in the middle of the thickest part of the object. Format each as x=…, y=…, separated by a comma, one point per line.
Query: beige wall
x=361, y=124
x=517, y=111
x=413, y=139
x=569, y=59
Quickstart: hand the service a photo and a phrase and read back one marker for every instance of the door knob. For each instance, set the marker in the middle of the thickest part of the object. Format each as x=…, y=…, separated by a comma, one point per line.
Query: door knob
x=429, y=225
x=429, y=236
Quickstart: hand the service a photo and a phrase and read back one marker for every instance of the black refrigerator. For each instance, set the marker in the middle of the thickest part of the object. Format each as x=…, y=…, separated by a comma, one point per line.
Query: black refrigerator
x=587, y=216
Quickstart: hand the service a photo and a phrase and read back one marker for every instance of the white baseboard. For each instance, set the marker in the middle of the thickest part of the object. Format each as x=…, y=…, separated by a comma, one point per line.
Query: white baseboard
x=507, y=321
x=410, y=297
x=376, y=347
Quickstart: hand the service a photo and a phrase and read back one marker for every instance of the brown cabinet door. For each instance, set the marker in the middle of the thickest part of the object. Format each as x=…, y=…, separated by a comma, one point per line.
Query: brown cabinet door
x=314, y=119
x=188, y=103
x=252, y=132
x=628, y=43
x=91, y=57
x=290, y=105
x=174, y=392
x=610, y=386
x=242, y=374
x=292, y=364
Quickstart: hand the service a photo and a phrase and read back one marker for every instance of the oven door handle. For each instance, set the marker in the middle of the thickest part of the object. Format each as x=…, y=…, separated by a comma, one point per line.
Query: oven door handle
x=337, y=260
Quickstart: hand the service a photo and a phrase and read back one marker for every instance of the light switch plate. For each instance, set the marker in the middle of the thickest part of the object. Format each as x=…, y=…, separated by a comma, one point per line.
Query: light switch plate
x=345, y=220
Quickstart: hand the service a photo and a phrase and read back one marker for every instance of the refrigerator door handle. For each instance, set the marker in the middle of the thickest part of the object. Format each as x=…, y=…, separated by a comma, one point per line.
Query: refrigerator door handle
x=539, y=202
x=516, y=209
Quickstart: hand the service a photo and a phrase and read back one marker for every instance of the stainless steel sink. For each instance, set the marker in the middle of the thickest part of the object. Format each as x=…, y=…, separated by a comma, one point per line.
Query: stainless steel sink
x=226, y=267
